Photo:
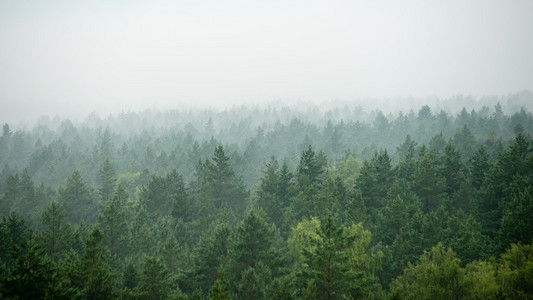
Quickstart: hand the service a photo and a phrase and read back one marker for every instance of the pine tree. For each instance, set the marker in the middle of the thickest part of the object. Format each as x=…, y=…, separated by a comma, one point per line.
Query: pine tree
x=33, y=272
x=516, y=224
x=107, y=179
x=77, y=199
x=113, y=224
x=479, y=167
x=154, y=282
x=56, y=236
x=210, y=254
x=217, y=186
x=253, y=243
x=99, y=278
x=452, y=169
x=428, y=184
x=12, y=195
x=220, y=290
x=333, y=266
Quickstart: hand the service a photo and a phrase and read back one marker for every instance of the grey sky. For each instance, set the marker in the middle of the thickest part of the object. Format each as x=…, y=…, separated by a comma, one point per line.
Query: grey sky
x=74, y=57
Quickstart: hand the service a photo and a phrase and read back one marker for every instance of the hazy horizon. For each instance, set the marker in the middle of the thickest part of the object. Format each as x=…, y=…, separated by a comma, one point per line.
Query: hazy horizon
x=72, y=58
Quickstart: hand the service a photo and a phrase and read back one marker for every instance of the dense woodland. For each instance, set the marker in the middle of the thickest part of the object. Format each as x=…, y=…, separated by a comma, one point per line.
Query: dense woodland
x=273, y=203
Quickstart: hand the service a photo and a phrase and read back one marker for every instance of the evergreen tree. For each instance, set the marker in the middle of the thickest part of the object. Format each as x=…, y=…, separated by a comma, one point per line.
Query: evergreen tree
x=516, y=224
x=77, y=199
x=32, y=275
x=154, y=282
x=220, y=290
x=217, y=185
x=210, y=254
x=94, y=276
x=108, y=180
x=452, y=169
x=479, y=167
x=13, y=231
x=335, y=265
x=113, y=224
x=253, y=244
x=428, y=184
x=12, y=195
x=55, y=236
x=267, y=195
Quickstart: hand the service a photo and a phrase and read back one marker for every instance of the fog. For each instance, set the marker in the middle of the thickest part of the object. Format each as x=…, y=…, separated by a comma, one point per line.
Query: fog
x=71, y=58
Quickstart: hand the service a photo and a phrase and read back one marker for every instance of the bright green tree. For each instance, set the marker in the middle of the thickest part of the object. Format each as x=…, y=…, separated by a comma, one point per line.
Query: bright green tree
x=220, y=290
x=438, y=275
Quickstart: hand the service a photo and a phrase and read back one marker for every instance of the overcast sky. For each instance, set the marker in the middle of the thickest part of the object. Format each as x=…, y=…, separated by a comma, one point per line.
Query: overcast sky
x=74, y=57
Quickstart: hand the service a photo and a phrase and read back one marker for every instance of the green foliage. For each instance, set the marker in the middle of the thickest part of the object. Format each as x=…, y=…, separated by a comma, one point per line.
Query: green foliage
x=515, y=274
x=438, y=275
x=154, y=282
x=428, y=184
x=56, y=236
x=77, y=199
x=32, y=274
x=220, y=290
x=210, y=254
x=92, y=276
x=168, y=227
x=217, y=187
x=516, y=223
x=112, y=221
x=337, y=263
x=108, y=180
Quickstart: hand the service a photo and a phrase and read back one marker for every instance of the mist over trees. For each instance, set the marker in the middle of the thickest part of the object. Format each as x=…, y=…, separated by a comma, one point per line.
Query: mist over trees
x=271, y=203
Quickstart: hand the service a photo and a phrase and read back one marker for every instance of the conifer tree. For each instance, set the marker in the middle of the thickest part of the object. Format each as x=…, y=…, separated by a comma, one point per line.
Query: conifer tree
x=55, y=236
x=154, y=282
x=77, y=199
x=32, y=275
x=113, y=224
x=220, y=290
x=107, y=179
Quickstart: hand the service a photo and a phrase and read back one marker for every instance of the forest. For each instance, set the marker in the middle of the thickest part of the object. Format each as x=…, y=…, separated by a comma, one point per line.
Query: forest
x=269, y=203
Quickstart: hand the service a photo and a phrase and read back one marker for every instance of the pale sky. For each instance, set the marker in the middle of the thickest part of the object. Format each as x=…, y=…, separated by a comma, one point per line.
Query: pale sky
x=75, y=57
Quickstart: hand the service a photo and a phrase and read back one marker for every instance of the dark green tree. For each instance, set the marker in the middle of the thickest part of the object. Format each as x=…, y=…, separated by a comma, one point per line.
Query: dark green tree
x=13, y=231
x=217, y=186
x=253, y=252
x=98, y=279
x=56, y=236
x=428, y=184
x=32, y=275
x=452, y=169
x=107, y=180
x=77, y=199
x=112, y=220
x=516, y=224
x=479, y=167
x=154, y=282
x=210, y=254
